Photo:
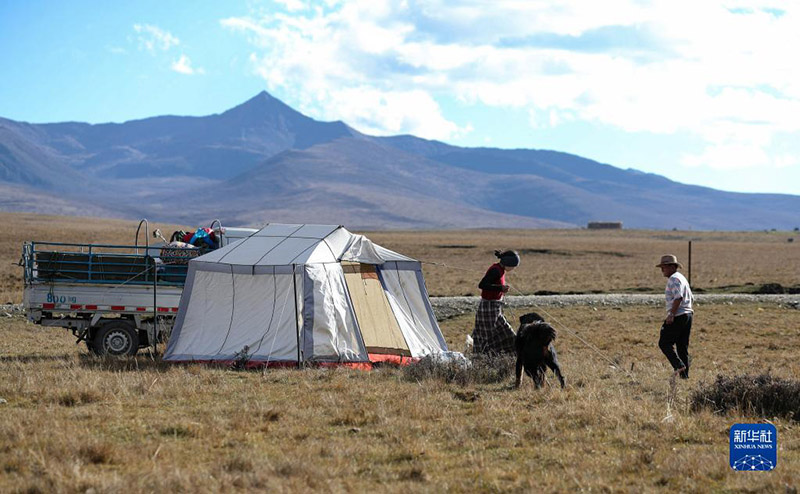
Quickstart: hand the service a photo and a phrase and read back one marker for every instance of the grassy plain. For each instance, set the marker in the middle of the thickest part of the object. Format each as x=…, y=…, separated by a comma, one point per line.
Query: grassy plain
x=552, y=260
x=601, y=260
x=75, y=423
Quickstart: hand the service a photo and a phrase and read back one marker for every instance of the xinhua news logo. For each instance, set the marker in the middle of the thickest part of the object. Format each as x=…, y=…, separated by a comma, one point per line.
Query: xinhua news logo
x=754, y=447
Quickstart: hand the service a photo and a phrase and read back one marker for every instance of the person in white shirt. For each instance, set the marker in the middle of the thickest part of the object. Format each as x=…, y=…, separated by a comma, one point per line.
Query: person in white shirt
x=678, y=324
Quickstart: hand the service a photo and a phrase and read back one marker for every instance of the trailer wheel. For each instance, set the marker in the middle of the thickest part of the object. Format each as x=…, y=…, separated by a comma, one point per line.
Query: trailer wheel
x=116, y=338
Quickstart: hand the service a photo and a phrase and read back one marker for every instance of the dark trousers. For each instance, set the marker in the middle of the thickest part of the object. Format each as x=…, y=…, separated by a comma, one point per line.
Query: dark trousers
x=674, y=337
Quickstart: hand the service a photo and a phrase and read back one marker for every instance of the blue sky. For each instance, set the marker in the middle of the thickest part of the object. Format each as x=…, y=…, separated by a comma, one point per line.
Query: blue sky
x=705, y=93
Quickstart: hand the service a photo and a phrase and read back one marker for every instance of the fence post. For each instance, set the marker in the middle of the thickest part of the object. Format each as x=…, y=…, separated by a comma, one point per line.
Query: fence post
x=690, y=263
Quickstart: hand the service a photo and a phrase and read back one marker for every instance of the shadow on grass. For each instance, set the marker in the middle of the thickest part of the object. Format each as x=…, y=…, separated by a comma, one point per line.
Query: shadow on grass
x=24, y=359
x=142, y=362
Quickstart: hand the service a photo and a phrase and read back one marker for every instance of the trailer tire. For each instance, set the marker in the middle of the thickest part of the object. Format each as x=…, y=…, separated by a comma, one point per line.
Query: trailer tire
x=116, y=338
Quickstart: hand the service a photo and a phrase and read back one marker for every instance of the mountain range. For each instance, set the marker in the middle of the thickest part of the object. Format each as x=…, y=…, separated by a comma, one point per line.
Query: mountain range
x=262, y=161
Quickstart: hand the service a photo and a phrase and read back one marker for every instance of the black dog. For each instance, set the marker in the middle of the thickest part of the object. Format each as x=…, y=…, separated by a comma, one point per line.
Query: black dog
x=535, y=350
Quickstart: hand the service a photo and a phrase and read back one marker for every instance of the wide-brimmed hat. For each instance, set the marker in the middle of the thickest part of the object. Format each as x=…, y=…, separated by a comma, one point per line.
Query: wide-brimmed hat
x=669, y=259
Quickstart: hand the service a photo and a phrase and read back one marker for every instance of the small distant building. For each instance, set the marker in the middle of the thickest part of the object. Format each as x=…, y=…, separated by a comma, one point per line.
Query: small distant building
x=604, y=225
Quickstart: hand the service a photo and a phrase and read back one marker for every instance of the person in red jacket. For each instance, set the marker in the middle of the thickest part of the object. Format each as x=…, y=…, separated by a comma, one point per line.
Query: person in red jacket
x=493, y=334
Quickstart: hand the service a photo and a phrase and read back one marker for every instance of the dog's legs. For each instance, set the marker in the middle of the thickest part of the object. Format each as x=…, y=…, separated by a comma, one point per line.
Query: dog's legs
x=557, y=370
x=538, y=377
x=519, y=372
x=553, y=364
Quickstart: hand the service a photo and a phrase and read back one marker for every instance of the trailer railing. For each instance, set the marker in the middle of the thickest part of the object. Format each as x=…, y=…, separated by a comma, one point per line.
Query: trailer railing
x=45, y=262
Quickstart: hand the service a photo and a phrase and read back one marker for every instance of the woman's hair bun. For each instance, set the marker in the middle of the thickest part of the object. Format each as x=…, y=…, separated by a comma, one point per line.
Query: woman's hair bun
x=508, y=258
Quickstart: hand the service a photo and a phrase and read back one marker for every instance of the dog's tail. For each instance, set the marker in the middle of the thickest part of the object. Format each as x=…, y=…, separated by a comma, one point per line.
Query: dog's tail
x=548, y=332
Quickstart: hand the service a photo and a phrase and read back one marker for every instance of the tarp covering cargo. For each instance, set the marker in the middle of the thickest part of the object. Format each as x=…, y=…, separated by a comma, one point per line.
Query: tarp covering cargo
x=291, y=294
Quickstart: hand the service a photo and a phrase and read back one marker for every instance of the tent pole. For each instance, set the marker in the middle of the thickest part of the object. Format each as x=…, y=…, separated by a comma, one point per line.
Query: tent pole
x=296, y=324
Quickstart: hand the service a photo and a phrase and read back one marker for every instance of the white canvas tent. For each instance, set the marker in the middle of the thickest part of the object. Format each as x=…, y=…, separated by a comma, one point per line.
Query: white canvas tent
x=291, y=294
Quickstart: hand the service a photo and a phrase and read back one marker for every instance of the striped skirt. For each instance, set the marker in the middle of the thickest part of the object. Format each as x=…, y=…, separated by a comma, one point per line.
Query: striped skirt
x=492, y=333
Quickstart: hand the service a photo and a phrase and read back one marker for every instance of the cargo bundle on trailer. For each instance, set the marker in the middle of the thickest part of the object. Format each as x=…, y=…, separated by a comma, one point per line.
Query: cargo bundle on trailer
x=115, y=298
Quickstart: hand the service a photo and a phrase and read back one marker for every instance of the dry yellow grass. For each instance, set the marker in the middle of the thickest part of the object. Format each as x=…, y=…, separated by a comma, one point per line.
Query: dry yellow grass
x=552, y=260
x=599, y=260
x=76, y=423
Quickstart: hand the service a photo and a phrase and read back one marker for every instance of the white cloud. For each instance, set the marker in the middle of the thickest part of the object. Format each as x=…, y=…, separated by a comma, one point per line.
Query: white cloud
x=729, y=156
x=721, y=71
x=245, y=25
x=184, y=66
x=293, y=5
x=152, y=38
x=391, y=112
x=785, y=161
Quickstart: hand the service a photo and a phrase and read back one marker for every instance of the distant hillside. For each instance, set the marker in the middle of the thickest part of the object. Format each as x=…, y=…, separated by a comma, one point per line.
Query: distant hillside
x=14, y=197
x=263, y=161
x=356, y=181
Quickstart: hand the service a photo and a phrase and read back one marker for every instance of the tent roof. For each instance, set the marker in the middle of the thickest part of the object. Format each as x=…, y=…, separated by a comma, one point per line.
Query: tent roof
x=281, y=244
